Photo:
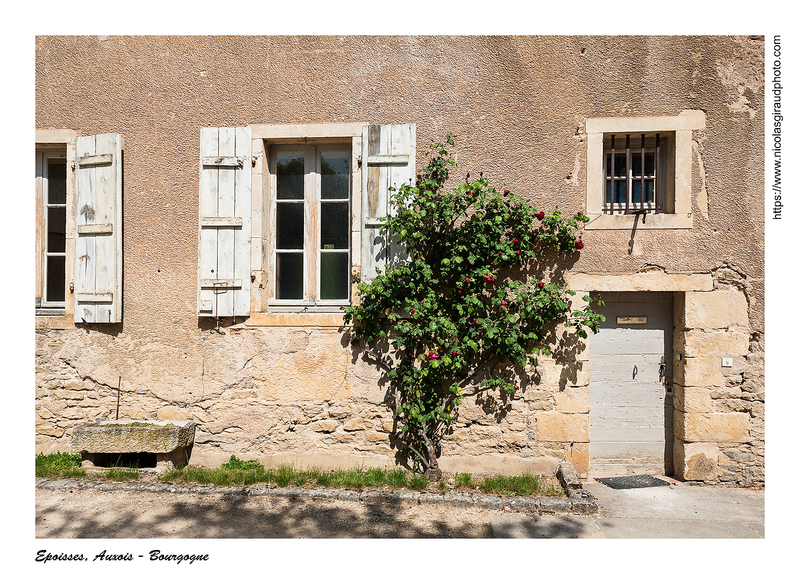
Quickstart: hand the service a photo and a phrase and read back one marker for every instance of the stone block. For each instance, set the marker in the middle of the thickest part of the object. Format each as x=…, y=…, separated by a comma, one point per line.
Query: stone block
x=712, y=344
x=516, y=439
x=49, y=430
x=692, y=399
x=695, y=461
x=375, y=436
x=171, y=413
x=555, y=426
x=354, y=424
x=552, y=375
x=652, y=281
x=498, y=464
x=326, y=426
x=80, y=385
x=133, y=436
x=698, y=372
x=578, y=455
x=715, y=310
x=711, y=427
x=573, y=400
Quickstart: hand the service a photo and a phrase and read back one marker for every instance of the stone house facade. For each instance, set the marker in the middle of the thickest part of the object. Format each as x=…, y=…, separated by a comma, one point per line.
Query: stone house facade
x=184, y=261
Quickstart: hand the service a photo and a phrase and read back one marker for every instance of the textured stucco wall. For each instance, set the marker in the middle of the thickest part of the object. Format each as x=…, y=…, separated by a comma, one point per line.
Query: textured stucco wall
x=518, y=106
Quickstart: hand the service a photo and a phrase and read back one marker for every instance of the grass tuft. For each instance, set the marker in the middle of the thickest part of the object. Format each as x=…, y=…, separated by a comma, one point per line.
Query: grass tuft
x=418, y=482
x=464, y=480
x=522, y=485
x=59, y=464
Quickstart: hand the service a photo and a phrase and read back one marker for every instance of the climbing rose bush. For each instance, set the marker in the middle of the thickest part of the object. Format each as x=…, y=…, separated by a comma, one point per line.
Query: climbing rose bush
x=463, y=314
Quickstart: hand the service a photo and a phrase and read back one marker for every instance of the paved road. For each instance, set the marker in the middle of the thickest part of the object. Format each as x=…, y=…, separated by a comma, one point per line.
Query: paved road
x=675, y=511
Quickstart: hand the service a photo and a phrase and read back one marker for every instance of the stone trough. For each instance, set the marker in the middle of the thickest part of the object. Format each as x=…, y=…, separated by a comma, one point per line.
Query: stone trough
x=170, y=441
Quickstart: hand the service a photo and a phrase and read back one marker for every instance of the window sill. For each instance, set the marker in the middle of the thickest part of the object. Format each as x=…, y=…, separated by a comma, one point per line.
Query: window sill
x=650, y=221
x=55, y=322
x=296, y=320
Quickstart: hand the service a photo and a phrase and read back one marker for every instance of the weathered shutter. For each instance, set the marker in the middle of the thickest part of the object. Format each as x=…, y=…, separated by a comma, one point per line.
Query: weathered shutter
x=224, y=239
x=98, y=223
x=387, y=160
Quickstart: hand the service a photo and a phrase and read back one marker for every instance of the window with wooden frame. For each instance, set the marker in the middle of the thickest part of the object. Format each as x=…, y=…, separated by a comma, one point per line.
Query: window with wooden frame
x=310, y=199
x=51, y=231
x=290, y=216
x=639, y=171
x=78, y=229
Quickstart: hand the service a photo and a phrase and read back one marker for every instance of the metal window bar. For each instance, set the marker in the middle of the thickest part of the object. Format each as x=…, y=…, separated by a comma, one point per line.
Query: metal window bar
x=628, y=173
x=641, y=177
x=611, y=185
x=655, y=170
x=640, y=206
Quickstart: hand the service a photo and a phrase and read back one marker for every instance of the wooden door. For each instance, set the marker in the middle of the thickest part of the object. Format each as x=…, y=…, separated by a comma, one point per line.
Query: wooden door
x=630, y=388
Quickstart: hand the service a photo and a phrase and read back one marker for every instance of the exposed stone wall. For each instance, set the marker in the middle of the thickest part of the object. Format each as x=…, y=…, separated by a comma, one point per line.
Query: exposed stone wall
x=297, y=396
x=719, y=409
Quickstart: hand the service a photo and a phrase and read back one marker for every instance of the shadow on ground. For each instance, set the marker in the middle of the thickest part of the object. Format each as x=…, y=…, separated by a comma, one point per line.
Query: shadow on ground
x=92, y=514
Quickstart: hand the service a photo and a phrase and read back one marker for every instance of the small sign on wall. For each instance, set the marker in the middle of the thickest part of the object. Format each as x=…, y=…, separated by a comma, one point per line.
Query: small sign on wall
x=631, y=320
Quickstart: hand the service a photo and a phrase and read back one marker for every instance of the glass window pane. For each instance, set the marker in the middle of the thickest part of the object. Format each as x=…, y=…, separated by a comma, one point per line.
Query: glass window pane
x=56, y=229
x=636, y=193
x=56, y=273
x=636, y=164
x=335, y=174
x=334, y=225
x=334, y=276
x=620, y=189
x=649, y=190
x=289, y=225
x=608, y=191
x=57, y=181
x=649, y=164
x=619, y=165
x=289, y=275
x=290, y=169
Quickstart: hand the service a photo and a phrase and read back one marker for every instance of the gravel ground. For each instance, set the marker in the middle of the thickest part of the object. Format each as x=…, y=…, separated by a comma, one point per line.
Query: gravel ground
x=76, y=513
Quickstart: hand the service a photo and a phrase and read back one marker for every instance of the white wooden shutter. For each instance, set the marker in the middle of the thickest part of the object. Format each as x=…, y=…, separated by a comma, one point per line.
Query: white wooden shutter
x=388, y=159
x=98, y=238
x=224, y=239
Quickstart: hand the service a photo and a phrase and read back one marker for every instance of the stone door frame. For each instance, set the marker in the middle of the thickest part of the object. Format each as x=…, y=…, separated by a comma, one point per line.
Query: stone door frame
x=709, y=326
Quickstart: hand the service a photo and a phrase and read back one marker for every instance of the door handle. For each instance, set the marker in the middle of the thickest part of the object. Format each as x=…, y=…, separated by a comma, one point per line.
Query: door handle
x=662, y=366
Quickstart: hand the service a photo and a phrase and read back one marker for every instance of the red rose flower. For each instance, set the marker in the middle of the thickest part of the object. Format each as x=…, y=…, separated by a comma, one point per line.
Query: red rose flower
x=433, y=355
x=540, y=284
x=505, y=192
x=519, y=252
x=579, y=244
x=516, y=240
x=504, y=304
x=540, y=215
